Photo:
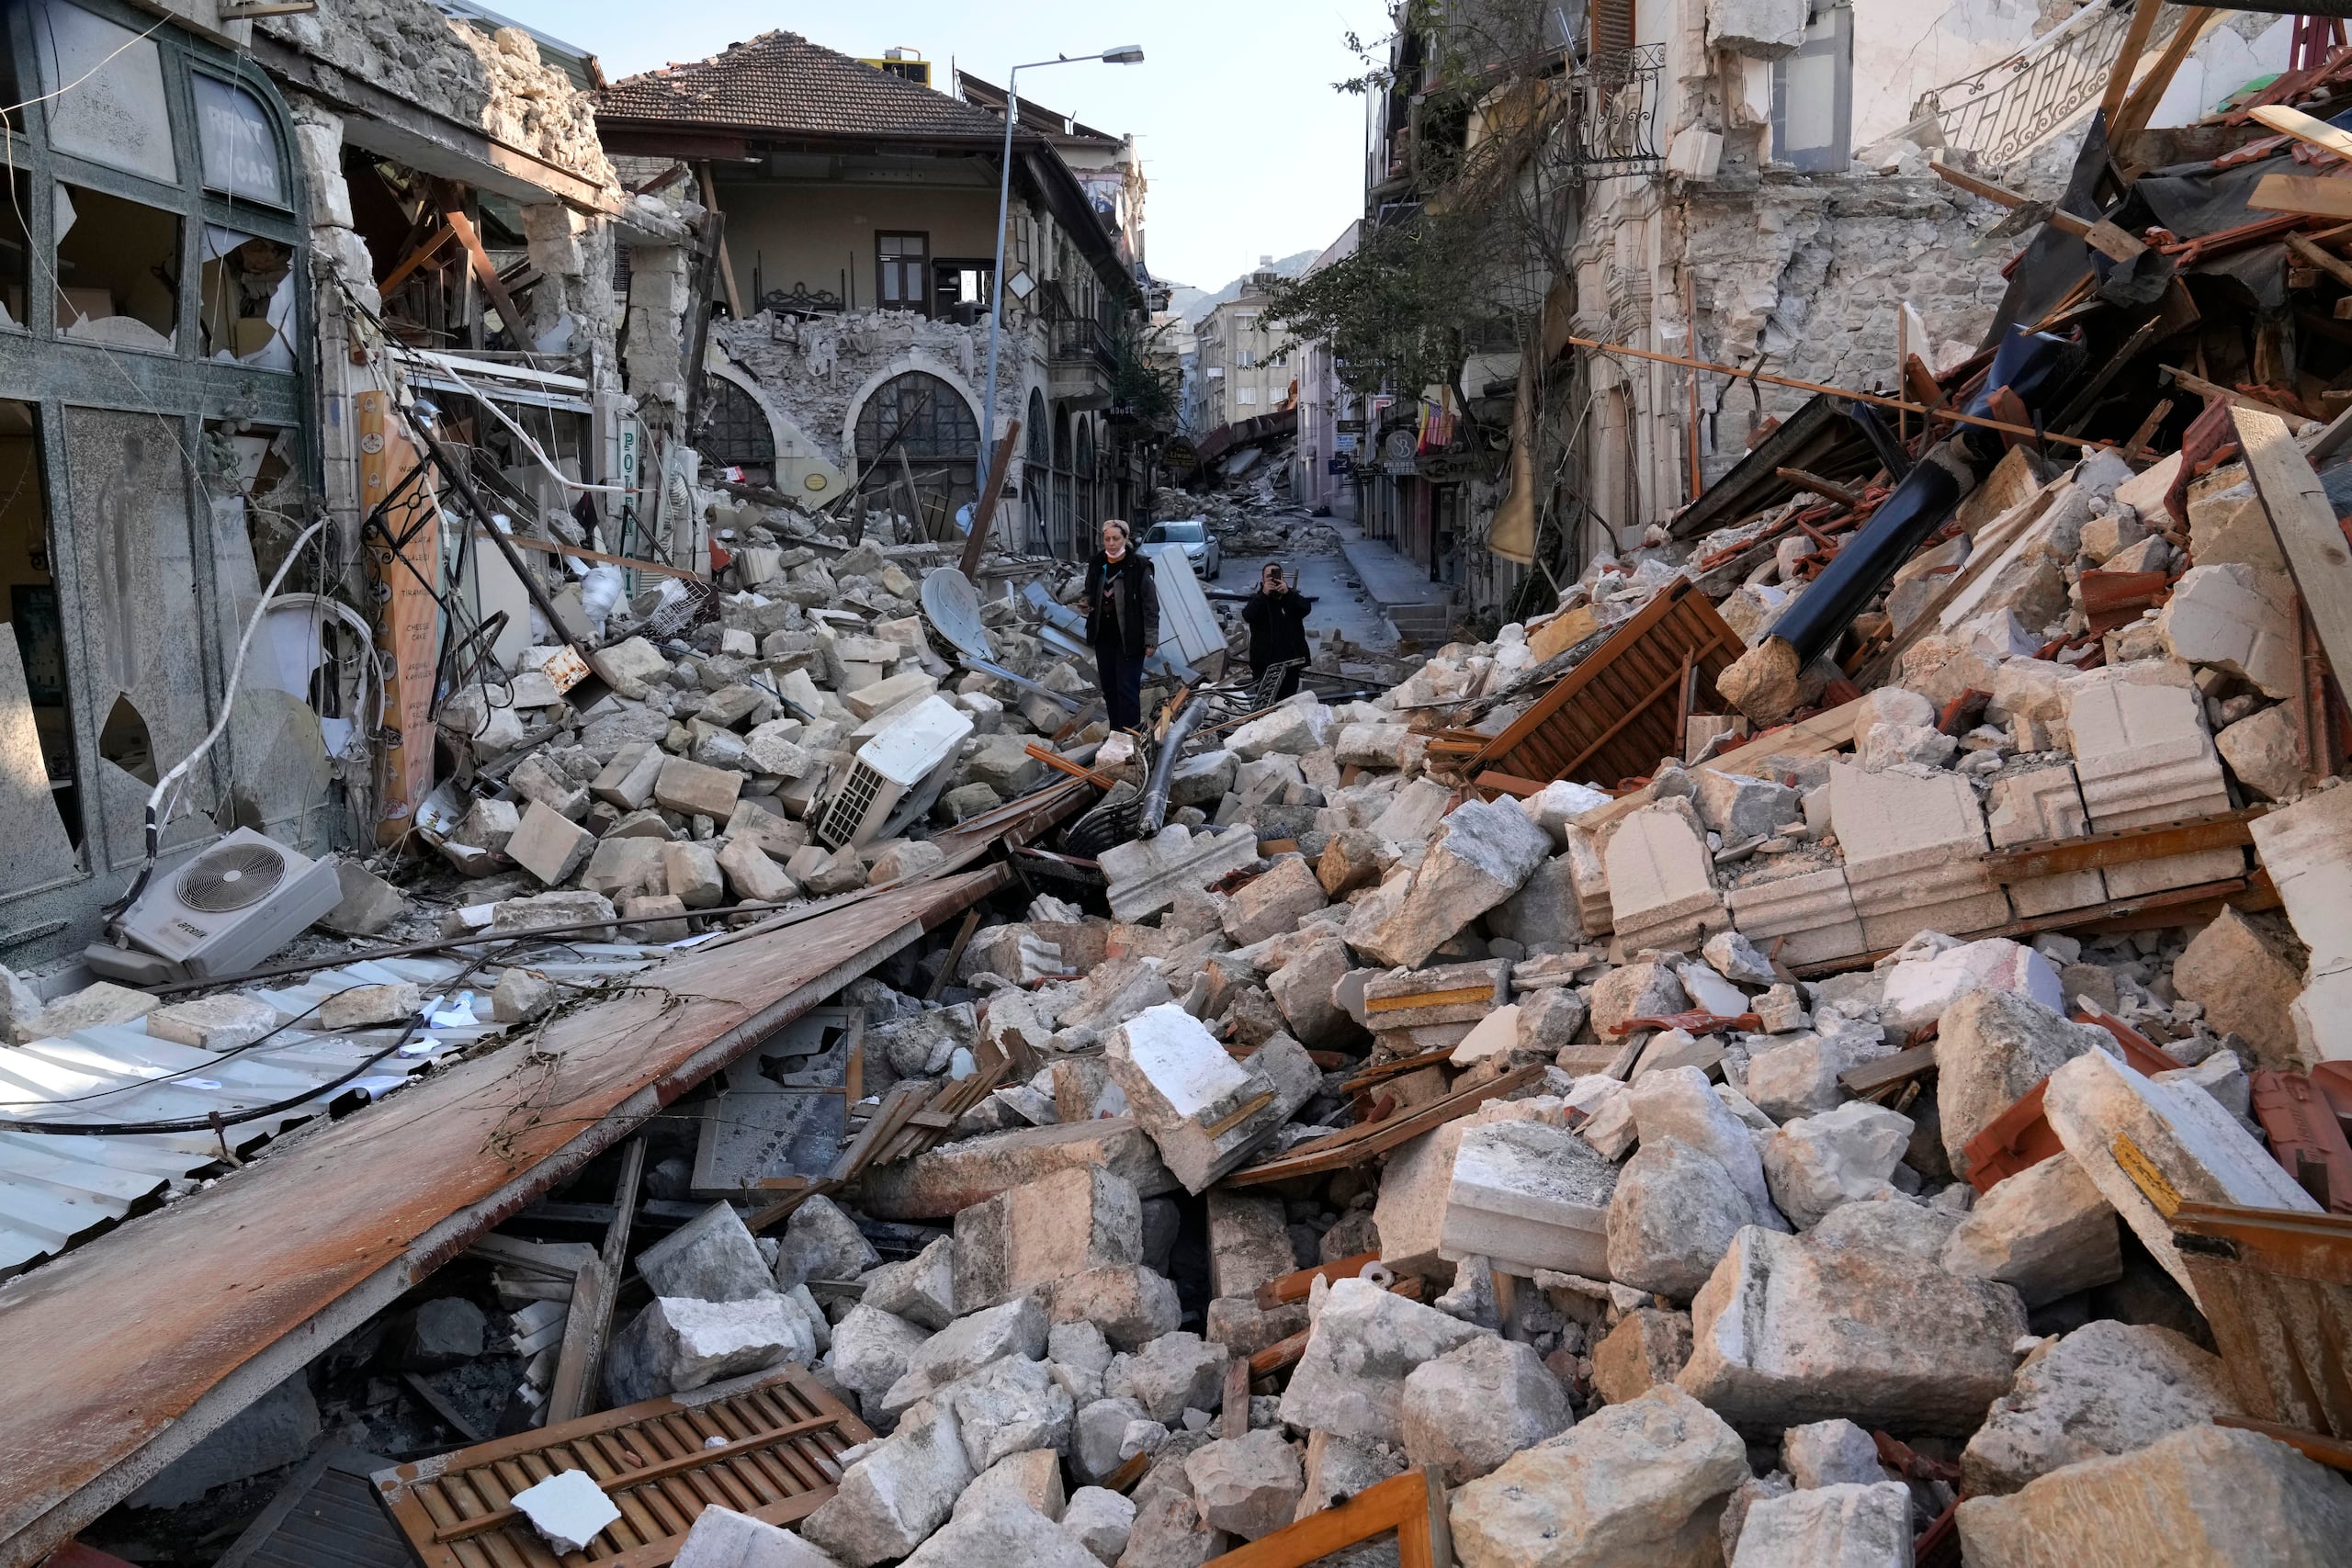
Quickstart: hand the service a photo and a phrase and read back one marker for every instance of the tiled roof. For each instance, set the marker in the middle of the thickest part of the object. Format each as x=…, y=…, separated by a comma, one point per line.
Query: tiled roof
x=782, y=85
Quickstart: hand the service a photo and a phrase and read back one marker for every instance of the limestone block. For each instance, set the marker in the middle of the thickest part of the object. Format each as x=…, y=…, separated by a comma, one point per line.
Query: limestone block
x=1206, y=1110
x=721, y=1538
x=1911, y=854
x=1919, y=989
x=224, y=1021
x=1010, y=1406
x=2307, y=848
x=2266, y=753
x=1100, y=1520
x=677, y=1344
x=627, y=867
x=1648, y=1348
x=511, y=917
x=1643, y=1482
x=1044, y=1232
x=1337, y=1469
x=946, y=1180
x=692, y=873
x=1643, y=989
x=1992, y=1046
x=1528, y=1195
x=1169, y=1532
x=1679, y=1103
x=2202, y=1494
x=821, y=1241
x=1478, y=1404
x=2180, y=1133
x=1788, y=1330
x=2244, y=983
x=1481, y=856
x=2107, y=1388
x=2145, y=760
x=1146, y=875
x=1674, y=1215
x=1814, y=1163
x=549, y=845
x=891, y=1501
x=2047, y=1230
x=1589, y=876
x=2231, y=618
x=1249, y=1242
x=1661, y=883
x=964, y=1346
x=1739, y=806
x=1410, y=1212
x=752, y=875
x=1544, y=912
x=1274, y=903
x=1302, y=986
x=275, y=1430
x=1807, y=916
x=356, y=1006
x=694, y=790
x=1841, y=1526
x=2036, y=807
x=1297, y=726
x=1830, y=1453
x=1131, y=1304
x=1175, y=1372
x=1351, y=1379
x=1249, y=1485
x=1800, y=1077
x=710, y=1257
x=871, y=1349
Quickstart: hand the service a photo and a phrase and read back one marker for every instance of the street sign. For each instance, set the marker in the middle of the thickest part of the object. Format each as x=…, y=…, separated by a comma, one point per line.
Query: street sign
x=1349, y=426
x=1344, y=443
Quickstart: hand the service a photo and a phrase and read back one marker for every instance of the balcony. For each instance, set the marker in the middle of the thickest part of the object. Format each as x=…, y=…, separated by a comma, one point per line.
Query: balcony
x=1613, y=113
x=2012, y=106
x=1078, y=361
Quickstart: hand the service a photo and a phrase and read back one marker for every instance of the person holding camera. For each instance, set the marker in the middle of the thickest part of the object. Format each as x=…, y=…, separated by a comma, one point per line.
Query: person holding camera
x=1276, y=618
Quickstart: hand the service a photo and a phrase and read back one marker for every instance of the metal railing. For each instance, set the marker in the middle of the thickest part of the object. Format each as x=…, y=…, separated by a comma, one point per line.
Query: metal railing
x=1612, y=112
x=1076, y=339
x=2004, y=110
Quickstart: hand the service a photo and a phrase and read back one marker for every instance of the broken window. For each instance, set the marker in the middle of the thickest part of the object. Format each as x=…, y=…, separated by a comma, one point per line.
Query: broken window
x=118, y=269
x=962, y=289
x=41, y=766
x=736, y=433
x=106, y=87
x=239, y=144
x=1813, y=95
x=16, y=254
x=903, y=263
x=248, y=298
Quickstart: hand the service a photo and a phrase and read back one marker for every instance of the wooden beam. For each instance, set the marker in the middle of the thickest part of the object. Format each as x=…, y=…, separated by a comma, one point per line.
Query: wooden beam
x=2308, y=533
x=1299, y=1285
x=726, y=261
x=2123, y=128
x=2109, y=239
x=2126, y=846
x=2303, y=128
x=415, y=259
x=2135, y=44
x=1359, y=1143
x=576, y=1365
x=999, y=465
x=1413, y=1505
x=2334, y=1452
x=1828, y=488
x=2315, y=196
x=2215, y=392
x=453, y=213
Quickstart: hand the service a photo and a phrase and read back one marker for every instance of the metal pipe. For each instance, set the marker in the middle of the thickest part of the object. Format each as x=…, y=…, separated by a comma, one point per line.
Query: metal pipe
x=1163, y=765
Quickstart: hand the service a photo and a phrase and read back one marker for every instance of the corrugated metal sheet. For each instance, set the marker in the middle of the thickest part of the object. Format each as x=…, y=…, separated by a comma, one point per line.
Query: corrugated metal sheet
x=327, y=1517
x=55, y=1189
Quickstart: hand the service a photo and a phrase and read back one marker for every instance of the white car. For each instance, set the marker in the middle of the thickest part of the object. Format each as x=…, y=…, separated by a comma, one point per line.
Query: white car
x=1201, y=550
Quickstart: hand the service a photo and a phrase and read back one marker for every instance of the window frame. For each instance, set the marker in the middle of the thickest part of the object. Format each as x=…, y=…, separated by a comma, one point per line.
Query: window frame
x=919, y=262
x=1837, y=47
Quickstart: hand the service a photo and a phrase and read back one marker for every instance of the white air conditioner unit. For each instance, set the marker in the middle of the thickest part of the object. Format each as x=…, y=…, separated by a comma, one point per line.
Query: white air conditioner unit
x=913, y=750
x=228, y=908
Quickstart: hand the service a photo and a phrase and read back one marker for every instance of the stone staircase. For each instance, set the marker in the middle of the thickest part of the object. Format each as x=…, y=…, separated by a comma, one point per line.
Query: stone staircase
x=1429, y=622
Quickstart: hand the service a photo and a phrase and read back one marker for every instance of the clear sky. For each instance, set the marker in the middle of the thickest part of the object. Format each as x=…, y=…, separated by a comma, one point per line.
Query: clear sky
x=1248, y=149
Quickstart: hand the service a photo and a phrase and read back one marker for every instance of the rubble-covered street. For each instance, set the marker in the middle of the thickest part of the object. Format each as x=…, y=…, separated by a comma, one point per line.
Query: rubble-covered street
x=1805, y=1027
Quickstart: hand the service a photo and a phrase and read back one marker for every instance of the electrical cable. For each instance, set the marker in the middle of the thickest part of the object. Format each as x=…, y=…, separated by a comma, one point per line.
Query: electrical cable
x=254, y=1044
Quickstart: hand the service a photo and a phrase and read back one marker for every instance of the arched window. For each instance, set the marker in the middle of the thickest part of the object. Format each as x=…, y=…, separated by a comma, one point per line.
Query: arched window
x=1037, y=480
x=736, y=434
x=1066, y=541
x=1090, y=510
x=921, y=418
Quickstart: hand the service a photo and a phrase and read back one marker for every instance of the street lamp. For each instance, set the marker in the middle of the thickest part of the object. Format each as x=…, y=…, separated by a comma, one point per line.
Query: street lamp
x=1126, y=54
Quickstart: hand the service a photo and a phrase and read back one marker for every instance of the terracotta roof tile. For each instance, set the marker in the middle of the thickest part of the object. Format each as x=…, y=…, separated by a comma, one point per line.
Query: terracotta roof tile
x=781, y=84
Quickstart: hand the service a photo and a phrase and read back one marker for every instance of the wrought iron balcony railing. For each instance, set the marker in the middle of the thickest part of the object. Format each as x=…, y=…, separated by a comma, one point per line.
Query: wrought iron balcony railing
x=2004, y=110
x=1612, y=112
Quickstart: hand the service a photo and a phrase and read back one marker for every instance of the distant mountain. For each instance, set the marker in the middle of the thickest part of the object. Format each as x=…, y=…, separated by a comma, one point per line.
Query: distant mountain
x=1194, y=304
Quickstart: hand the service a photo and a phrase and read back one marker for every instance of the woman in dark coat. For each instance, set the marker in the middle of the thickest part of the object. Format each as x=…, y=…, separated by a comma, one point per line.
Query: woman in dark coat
x=1122, y=605
x=1276, y=618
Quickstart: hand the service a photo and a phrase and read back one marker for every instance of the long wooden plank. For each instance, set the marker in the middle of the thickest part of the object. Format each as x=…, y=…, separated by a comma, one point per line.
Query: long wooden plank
x=2312, y=196
x=2305, y=523
x=1402, y=1502
x=1359, y=1144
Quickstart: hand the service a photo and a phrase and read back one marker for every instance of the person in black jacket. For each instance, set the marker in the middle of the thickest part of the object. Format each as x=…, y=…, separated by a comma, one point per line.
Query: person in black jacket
x=1276, y=618
x=1122, y=605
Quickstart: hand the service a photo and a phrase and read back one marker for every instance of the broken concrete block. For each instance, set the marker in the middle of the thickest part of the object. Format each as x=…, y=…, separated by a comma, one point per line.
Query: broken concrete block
x=1991, y=1047
x=1249, y=1485
x=1100, y=1520
x=369, y=903
x=2145, y=760
x=722, y=1538
x=1032, y=1477
x=1805, y=916
x=276, y=1429
x=1739, y=806
x=356, y=1006
x=1478, y=1404
x=2266, y=753
x=1147, y=875
x=971, y=1342
x=224, y=1021
x=2236, y=619
x=549, y=845
x=1788, y=1330
x=626, y=866
x=1912, y=847
x=2107, y=1388
x=1481, y=855
x=519, y=997
x=1678, y=1102
x=1351, y=1379
x=1205, y=1110
x=1249, y=1243
x=677, y=1344
x=1830, y=1453
x=2177, y=1132
x=1661, y=883
x=1640, y=989
x=1799, y=1077
x=1765, y=30
x=821, y=1241
x=1410, y=1212
x=1099, y=1434
x=944, y=1181
x=1044, y=1232
x=1002, y=1528
x=1648, y=1348
x=544, y=911
x=871, y=1349
x=2245, y=984
x=2036, y=805
x=1674, y=1215
x=922, y=1290
x=2201, y=1494
x=1844, y=1525
x=1814, y=1163
x=1009, y=1406
x=447, y=1332
x=711, y=1257
x=1131, y=1304
x=1528, y=1195
x=1641, y=1482
x=690, y=873
x=891, y=1501
x=2047, y=1230
x=1173, y=1373
x=1919, y=989
x=1302, y=989
x=1274, y=903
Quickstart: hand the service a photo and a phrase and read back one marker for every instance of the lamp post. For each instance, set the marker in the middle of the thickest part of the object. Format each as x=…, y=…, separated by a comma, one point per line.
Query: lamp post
x=1126, y=54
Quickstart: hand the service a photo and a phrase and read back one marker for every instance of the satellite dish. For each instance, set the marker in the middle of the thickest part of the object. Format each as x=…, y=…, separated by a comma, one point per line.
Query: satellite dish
x=952, y=605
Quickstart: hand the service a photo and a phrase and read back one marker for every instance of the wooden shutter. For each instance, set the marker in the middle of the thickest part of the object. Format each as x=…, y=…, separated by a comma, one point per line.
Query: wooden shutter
x=1611, y=27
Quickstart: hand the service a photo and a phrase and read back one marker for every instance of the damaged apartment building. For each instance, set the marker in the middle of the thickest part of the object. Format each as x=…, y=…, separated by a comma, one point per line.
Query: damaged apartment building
x=213, y=225
x=858, y=210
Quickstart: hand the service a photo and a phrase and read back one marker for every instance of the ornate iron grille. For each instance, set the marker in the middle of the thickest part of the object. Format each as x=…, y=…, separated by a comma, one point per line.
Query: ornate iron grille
x=2005, y=108
x=1612, y=112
